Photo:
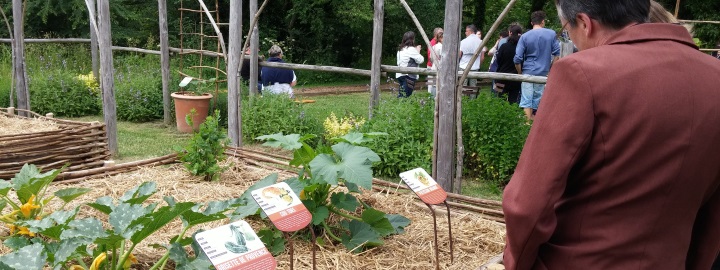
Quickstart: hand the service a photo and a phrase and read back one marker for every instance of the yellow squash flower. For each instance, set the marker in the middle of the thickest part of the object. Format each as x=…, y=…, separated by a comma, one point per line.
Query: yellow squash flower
x=25, y=231
x=98, y=260
x=130, y=261
x=76, y=267
x=27, y=208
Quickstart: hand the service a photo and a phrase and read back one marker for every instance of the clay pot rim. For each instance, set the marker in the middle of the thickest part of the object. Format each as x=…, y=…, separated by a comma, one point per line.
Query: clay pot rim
x=190, y=95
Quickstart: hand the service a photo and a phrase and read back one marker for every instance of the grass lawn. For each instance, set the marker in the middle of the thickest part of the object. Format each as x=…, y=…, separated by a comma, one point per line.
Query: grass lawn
x=151, y=139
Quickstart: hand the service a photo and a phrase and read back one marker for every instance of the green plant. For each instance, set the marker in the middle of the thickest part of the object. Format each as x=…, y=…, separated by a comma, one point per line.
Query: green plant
x=409, y=124
x=205, y=148
x=138, y=90
x=198, y=87
x=30, y=187
x=322, y=171
x=61, y=92
x=335, y=127
x=494, y=133
x=276, y=113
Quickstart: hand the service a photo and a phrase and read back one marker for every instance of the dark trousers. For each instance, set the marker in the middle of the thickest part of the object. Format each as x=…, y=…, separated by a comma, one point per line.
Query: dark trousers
x=407, y=85
x=716, y=265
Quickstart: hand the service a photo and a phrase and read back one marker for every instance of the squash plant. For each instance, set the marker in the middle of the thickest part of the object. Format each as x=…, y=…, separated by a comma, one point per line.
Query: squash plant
x=322, y=171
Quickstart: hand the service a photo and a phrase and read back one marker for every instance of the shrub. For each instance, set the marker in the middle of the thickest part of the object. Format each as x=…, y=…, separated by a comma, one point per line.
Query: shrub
x=59, y=91
x=494, y=133
x=205, y=149
x=271, y=114
x=409, y=124
x=138, y=90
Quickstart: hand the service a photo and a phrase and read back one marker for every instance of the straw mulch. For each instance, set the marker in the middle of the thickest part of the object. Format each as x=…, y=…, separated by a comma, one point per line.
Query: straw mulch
x=17, y=125
x=476, y=239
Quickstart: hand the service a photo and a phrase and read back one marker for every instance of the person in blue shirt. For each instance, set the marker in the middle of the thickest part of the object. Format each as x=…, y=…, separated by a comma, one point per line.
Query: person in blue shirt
x=535, y=52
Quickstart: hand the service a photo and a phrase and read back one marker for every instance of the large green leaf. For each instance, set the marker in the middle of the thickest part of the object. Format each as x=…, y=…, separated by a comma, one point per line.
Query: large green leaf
x=250, y=207
x=88, y=228
x=53, y=224
x=140, y=193
x=160, y=218
x=398, y=222
x=357, y=138
x=273, y=240
x=5, y=187
x=361, y=235
x=295, y=184
x=16, y=242
x=29, y=181
x=184, y=262
x=378, y=221
x=354, y=165
x=27, y=258
x=344, y=201
x=289, y=142
x=319, y=214
x=70, y=194
x=103, y=204
x=303, y=155
x=123, y=219
x=67, y=249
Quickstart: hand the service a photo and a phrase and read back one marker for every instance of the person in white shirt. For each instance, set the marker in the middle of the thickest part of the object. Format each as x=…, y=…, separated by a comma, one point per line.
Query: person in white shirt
x=468, y=46
x=408, y=55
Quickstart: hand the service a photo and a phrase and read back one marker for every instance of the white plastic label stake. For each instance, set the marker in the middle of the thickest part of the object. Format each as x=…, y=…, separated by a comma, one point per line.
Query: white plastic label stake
x=283, y=207
x=185, y=81
x=424, y=186
x=235, y=246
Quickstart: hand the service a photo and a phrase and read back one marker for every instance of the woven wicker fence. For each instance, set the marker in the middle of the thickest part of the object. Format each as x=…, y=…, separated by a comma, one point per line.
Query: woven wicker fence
x=80, y=145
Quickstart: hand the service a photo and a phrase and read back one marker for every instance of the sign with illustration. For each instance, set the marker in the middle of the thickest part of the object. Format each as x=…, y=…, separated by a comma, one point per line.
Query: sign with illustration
x=424, y=186
x=235, y=246
x=283, y=207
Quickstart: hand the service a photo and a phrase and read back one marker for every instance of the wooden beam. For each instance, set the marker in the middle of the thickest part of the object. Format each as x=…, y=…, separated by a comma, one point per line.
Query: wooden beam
x=376, y=58
x=254, y=49
x=94, y=44
x=694, y=21
x=353, y=71
x=106, y=72
x=677, y=8
x=234, y=59
x=23, y=97
x=444, y=145
x=165, y=62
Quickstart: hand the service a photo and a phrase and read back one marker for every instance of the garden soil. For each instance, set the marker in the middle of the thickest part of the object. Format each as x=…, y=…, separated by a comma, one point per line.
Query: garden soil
x=475, y=239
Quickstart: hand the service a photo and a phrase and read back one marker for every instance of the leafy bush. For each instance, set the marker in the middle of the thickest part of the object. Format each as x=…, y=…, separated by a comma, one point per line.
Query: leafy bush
x=59, y=91
x=494, y=133
x=409, y=123
x=275, y=113
x=205, y=149
x=138, y=89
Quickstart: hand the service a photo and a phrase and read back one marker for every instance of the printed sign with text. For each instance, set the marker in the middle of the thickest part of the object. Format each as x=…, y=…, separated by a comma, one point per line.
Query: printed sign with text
x=283, y=207
x=424, y=186
x=235, y=246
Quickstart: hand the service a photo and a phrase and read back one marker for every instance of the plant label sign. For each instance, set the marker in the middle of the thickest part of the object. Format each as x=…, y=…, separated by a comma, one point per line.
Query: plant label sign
x=235, y=246
x=283, y=207
x=424, y=186
x=185, y=81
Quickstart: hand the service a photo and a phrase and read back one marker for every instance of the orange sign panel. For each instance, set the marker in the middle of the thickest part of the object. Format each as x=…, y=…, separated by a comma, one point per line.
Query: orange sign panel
x=235, y=246
x=424, y=186
x=283, y=207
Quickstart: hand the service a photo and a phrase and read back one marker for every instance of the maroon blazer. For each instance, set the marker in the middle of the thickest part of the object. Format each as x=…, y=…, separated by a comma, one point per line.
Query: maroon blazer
x=622, y=165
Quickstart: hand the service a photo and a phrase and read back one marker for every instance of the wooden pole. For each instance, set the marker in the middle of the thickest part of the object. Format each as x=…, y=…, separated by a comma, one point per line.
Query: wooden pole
x=12, y=51
x=217, y=30
x=254, y=49
x=376, y=60
x=23, y=100
x=106, y=72
x=94, y=43
x=677, y=8
x=444, y=145
x=420, y=29
x=165, y=62
x=234, y=58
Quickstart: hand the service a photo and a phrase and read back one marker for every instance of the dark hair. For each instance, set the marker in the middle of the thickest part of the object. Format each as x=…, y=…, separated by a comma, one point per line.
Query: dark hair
x=472, y=27
x=537, y=17
x=614, y=14
x=503, y=34
x=515, y=32
x=408, y=40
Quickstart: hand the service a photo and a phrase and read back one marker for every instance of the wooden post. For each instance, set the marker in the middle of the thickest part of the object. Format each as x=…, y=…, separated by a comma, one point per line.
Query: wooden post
x=106, y=72
x=444, y=144
x=94, y=43
x=233, y=83
x=254, y=49
x=165, y=62
x=375, y=77
x=23, y=98
x=11, y=110
x=677, y=8
x=12, y=51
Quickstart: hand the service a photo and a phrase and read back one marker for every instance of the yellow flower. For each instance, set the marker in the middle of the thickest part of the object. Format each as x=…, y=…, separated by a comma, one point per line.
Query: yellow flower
x=25, y=231
x=27, y=208
x=130, y=261
x=76, y=267
x=98, y=260
x=11, y=227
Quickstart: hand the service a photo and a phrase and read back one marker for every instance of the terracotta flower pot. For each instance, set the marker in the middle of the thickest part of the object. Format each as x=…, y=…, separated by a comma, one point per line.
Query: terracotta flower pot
x=184, y=103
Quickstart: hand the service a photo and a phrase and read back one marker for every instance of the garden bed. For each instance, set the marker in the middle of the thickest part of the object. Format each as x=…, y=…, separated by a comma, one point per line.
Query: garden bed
x=476, y=239
x=49, y=143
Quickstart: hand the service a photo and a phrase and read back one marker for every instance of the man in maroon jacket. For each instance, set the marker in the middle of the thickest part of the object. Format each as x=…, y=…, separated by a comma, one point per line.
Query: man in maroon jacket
x=622, y=166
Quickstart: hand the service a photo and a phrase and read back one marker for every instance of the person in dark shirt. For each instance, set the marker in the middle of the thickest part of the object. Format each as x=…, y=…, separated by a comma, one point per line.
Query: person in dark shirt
x=245, y=72
x=506, y=65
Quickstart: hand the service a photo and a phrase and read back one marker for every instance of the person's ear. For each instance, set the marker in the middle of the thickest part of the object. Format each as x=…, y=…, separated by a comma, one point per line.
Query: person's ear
x=585, y=24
